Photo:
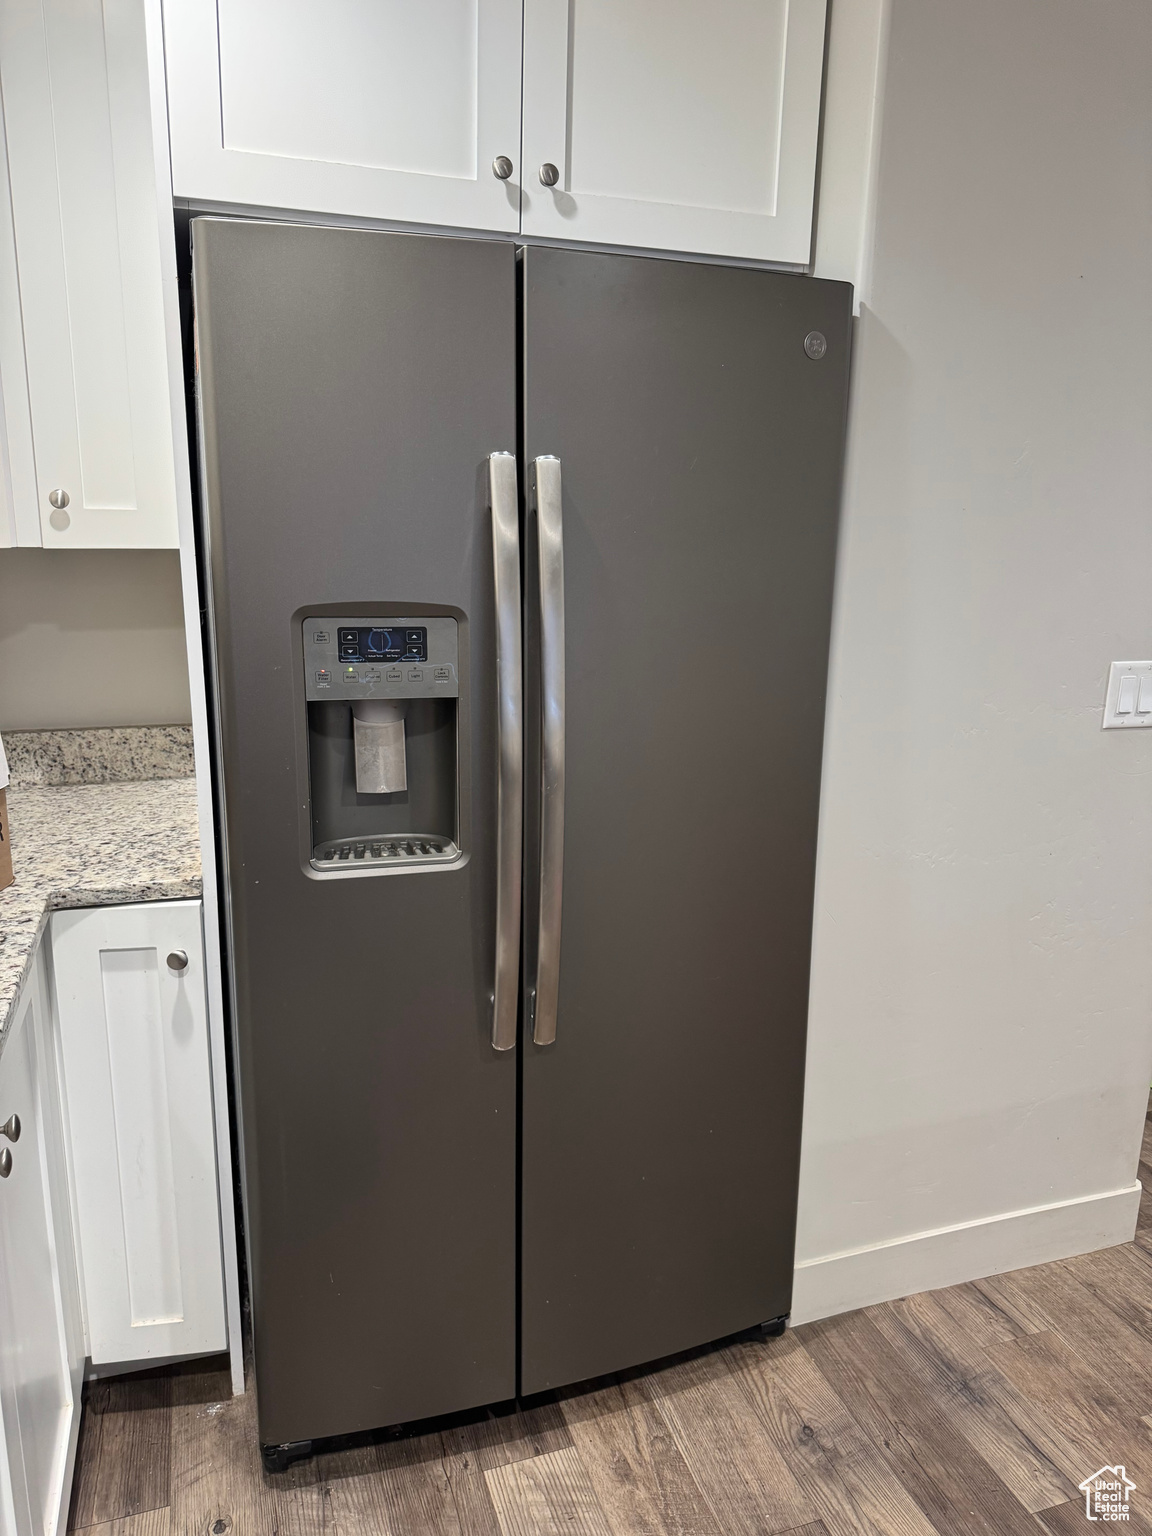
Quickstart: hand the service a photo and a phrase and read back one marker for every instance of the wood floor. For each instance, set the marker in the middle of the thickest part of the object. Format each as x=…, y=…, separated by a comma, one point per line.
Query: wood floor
x=975, y=1409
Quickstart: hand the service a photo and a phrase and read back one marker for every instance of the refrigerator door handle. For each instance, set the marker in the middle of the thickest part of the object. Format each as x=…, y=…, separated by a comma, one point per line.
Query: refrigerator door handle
x=550, y=542
x=510, y=745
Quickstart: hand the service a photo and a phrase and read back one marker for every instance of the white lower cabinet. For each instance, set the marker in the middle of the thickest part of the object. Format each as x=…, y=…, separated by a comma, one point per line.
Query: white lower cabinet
x=41, y=1344
x=130, y=1005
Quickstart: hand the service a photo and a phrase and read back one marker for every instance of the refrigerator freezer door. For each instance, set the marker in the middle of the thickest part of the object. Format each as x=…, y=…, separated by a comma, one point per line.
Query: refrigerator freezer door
x=352, y=385
x=701, y=447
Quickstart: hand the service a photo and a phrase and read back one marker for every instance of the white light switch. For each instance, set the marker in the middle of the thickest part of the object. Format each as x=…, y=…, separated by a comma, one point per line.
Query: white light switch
x=1126, y=695
x=1128, y=701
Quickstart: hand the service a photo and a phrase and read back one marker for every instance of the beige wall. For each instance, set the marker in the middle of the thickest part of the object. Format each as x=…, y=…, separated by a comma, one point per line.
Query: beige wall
x=981, y=1023
x=91, y=637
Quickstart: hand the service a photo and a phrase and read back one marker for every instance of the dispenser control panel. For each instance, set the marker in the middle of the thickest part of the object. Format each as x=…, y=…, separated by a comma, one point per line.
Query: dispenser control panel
x=376, y=644
x=351, y=657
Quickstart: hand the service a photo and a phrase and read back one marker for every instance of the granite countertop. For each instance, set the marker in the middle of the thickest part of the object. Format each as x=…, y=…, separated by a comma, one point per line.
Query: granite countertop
x=90, y=845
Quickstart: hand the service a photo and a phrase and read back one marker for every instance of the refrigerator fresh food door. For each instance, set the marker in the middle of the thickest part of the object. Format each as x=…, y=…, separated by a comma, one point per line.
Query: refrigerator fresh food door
x=697, y=414
x=352, y=386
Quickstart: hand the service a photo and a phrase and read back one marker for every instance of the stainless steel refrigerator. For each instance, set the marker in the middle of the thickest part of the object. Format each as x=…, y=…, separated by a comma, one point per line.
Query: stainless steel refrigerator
x=518, y=568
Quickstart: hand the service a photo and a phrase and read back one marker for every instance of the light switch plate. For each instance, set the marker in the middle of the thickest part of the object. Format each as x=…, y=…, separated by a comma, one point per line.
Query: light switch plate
x=1128, y=701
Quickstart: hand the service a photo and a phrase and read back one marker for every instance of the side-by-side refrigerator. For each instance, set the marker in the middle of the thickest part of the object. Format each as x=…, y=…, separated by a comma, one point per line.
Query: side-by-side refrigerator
x=519, y=571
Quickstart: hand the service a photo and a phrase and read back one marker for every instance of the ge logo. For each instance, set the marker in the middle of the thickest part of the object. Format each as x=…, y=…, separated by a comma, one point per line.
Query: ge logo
x=815, y=344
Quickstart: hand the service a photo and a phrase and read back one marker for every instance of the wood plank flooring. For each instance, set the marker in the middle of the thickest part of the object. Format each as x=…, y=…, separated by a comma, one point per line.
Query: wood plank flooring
x=960, y=1412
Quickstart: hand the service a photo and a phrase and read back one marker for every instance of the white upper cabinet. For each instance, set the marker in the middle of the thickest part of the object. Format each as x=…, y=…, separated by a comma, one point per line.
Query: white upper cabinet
x=19, y=516
x=376, y=108
x=84, y=227
x=671, y=124
x=674, y=124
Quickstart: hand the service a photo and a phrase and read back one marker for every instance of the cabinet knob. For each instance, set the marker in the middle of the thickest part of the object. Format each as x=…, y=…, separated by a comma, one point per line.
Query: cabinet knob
x=178, y=961
x=11, y=1128
x=58, y=499
x=501, y=167
x=5, y=1163
x=549, y=175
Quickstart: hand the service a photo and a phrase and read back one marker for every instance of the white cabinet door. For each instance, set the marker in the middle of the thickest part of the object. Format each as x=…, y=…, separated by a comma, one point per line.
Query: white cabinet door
x=134, y=1034
x=673, y=123
x=41, y=1362
x=19, y=515
x=375, y=108
x=82, y=177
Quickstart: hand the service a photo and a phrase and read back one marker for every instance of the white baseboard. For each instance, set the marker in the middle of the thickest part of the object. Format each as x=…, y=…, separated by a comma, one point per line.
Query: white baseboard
x=926, y=1261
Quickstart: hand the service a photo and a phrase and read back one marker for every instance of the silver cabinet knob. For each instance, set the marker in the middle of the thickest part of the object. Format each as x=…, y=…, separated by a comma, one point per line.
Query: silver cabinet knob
x=11, y=1128
x=501, y=167
x=549, y=175
x=178, y=961
x=5, y=1163
x=58, y=499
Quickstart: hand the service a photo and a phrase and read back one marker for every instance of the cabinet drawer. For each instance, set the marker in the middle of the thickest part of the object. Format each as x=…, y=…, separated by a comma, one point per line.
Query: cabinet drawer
x=133, y=1027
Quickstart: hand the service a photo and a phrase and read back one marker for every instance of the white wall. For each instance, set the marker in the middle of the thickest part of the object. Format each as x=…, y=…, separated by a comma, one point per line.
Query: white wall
x=981, y=1039
x=91, y=637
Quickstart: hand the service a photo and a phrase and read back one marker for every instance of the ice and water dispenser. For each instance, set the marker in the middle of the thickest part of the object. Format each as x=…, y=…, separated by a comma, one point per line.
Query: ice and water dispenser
x=382, y=741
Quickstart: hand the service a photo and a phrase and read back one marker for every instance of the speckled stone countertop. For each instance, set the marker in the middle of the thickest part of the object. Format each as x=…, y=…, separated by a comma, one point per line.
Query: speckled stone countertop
x=91, y=845
x=101, y=755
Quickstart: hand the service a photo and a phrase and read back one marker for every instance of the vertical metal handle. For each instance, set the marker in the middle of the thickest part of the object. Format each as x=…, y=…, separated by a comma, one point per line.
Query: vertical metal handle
x=550, y=542
x=510, y=745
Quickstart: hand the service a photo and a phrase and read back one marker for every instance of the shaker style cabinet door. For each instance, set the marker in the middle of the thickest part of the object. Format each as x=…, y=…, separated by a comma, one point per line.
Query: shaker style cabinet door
x=673, y=124
x=377, y=108
x=19, y=515
x=133, y=1027
x=41, y=1354
x=82, y=184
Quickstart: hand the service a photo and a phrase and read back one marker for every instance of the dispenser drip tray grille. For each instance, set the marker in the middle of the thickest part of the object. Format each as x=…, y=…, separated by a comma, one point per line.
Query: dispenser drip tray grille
x=414, y=848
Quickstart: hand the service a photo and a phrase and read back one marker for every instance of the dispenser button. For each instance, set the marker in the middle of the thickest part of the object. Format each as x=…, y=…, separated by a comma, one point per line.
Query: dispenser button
x=442, y=674
x=415, y=675
x=394, y=675
x=370, y=675
x=351, y=675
